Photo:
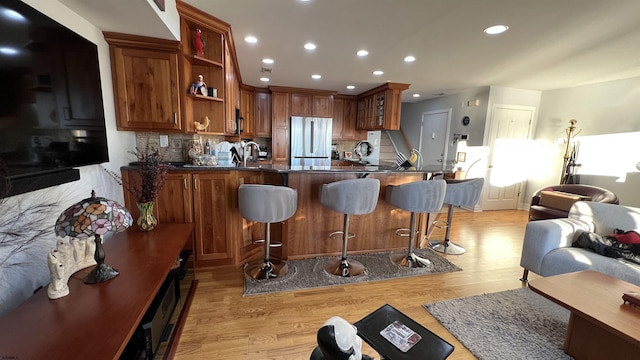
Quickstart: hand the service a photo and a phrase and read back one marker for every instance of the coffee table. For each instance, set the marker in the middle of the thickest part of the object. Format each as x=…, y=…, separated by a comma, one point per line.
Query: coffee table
x=600, y=325
x=430, y=347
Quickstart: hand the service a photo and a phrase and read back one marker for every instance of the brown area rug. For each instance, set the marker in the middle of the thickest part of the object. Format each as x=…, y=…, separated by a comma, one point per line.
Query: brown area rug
x=308, y=273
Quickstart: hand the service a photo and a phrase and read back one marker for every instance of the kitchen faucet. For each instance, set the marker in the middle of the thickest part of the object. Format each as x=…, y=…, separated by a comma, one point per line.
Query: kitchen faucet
x=244, y=150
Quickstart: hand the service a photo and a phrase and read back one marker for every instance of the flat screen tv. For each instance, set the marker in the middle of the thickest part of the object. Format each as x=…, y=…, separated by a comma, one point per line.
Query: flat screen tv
x=51, y=111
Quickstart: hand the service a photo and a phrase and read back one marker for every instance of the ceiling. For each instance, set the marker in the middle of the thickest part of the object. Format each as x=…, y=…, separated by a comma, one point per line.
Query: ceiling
x=550, y=44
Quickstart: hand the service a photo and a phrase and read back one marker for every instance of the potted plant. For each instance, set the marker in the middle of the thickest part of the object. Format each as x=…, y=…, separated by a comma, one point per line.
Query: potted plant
x=150, y=173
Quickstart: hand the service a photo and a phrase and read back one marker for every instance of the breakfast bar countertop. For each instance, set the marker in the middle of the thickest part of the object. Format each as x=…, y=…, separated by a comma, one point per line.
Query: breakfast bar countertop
x=281, y=168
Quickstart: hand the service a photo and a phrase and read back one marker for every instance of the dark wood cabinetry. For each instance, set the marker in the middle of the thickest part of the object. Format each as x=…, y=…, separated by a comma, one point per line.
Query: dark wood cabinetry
x=280, y=126
x=174, y=202
x=312, y=104
x=247, y=111
x=262, y=113
x=379, y=108
x=344, y=119
x=145, y=82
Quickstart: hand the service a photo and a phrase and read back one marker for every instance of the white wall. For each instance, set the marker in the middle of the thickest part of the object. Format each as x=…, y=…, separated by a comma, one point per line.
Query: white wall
x=411, y=116
x=23, y=272
x=605, y=108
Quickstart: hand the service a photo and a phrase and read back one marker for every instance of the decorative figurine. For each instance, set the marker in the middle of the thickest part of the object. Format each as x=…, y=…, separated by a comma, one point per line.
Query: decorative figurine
x=199, y=43
x=200, y=87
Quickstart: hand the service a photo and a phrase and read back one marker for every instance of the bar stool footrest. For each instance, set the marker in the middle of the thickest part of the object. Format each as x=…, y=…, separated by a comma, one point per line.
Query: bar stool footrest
x=333, y=235
x=273, y=243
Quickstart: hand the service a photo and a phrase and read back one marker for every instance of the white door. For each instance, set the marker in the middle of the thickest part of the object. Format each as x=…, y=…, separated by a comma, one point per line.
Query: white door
x=433, y=137
x=508, y=150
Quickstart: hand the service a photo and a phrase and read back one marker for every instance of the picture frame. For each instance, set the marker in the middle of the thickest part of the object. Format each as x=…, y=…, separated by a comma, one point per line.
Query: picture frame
x=461, y=156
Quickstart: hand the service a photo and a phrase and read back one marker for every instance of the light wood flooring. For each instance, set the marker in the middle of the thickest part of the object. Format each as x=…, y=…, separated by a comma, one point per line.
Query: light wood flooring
x=222, y=324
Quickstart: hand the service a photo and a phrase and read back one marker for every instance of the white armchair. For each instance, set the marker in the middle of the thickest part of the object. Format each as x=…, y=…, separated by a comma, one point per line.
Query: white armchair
x=547, y=244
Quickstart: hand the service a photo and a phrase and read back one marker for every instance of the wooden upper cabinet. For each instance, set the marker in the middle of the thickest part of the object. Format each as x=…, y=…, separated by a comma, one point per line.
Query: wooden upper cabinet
x=280, y=110
x=280, y=127
x=322, y=105
x=379, y=108
x=344, y=119
x=310, y=104
x=301, y=105
x=215, y=61
x=247, y=110
x=262, y=114
x=145, y=81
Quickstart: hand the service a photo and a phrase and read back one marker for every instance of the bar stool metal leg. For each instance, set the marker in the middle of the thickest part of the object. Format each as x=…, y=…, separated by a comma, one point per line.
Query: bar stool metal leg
x=410, y=259
x=445, y=246
x=269, y=269
x=344, y=267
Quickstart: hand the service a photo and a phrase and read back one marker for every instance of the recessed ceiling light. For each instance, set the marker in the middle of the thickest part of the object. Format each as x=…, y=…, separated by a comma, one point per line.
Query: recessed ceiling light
x=8, y=51
x=316, y=76
x=350, y=87
x=251, y=39
x=378, y=72
x=12, y=14
x=416, y=95
x=496, y=29
x=362, y=53
x=267, y=61
x=264, y=79
x=409, y=58
x=309, y=46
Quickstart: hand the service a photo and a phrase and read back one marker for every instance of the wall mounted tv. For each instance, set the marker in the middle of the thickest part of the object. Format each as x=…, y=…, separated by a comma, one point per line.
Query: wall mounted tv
x=51, y=112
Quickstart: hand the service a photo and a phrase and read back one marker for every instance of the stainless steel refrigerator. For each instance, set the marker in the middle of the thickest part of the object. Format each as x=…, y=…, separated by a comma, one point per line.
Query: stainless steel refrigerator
x=310, y=141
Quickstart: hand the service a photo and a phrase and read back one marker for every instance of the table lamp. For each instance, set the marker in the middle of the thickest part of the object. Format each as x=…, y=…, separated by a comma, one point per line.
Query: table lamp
x=94, y=216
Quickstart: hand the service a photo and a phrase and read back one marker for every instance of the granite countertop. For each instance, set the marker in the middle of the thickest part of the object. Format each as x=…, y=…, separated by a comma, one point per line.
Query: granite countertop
x=258, y=166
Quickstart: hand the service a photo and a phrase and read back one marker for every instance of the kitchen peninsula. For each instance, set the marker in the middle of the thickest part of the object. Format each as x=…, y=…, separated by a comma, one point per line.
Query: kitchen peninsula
x=208, y=197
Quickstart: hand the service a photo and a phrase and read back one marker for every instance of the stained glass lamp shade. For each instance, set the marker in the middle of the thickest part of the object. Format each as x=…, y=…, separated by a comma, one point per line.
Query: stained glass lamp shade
x=94, y=216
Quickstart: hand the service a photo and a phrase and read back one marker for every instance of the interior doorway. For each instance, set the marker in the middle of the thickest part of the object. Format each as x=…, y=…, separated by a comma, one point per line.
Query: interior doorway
x=509, y=146
x=434, y=132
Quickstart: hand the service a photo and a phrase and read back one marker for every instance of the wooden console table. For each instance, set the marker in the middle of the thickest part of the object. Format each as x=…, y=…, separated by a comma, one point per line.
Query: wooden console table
x=96, y=321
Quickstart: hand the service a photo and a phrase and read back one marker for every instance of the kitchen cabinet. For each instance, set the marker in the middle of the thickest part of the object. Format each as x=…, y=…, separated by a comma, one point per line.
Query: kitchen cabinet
x=379, y=108
x=344, y=119
x=232, y=100
x=262, y=114
x=247, y=110
x=212, y=63
x=213, y=193
x=145, y=82
x=280, y=126
x=312, y=104
x=174, y=202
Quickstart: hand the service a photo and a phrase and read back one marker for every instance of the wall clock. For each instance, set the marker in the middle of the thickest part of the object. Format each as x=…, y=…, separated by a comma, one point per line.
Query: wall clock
x=466, y=120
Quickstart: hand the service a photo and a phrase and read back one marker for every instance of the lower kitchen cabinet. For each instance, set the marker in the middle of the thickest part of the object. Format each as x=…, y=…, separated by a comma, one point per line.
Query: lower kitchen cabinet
x=210, y=200
x=174, y=203
x=213, y=199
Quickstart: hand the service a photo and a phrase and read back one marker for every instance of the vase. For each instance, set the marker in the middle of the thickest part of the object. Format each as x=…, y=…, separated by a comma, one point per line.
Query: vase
x=147, y=221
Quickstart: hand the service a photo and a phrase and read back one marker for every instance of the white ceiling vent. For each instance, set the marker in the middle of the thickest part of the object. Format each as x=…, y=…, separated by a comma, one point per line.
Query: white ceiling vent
x=266, y=70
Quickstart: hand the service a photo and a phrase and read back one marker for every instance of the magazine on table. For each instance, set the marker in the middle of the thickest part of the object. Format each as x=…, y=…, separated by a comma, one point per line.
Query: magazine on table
x=400, y=335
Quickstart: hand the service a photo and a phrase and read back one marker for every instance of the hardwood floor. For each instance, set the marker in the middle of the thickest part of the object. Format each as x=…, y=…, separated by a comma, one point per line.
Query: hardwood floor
x=222, y=324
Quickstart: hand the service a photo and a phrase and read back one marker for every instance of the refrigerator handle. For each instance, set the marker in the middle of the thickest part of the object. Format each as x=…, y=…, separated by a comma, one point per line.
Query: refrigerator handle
x=313, y=126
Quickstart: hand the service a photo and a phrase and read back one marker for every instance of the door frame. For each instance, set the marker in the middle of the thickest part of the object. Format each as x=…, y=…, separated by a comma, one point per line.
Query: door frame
x=447, y=131
x=490, y=142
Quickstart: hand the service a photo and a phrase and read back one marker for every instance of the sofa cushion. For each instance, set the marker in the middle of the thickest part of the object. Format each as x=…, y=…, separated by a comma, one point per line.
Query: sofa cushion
x=570, y=259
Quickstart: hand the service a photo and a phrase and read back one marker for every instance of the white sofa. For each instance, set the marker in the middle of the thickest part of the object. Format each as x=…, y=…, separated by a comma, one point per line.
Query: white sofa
x=547, y=246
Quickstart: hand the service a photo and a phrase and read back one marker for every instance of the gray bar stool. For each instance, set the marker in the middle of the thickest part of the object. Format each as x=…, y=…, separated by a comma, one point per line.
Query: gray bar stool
x=267, y=204
x=350, y=197
x=418, y=197
x=459, y=193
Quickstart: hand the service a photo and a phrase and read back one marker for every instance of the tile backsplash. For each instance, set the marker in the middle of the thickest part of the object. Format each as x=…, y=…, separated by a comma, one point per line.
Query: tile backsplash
x=178, y=142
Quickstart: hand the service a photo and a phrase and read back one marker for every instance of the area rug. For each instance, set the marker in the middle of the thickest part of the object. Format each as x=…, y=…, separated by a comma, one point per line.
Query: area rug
x=308, y=273
x=512, y=324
